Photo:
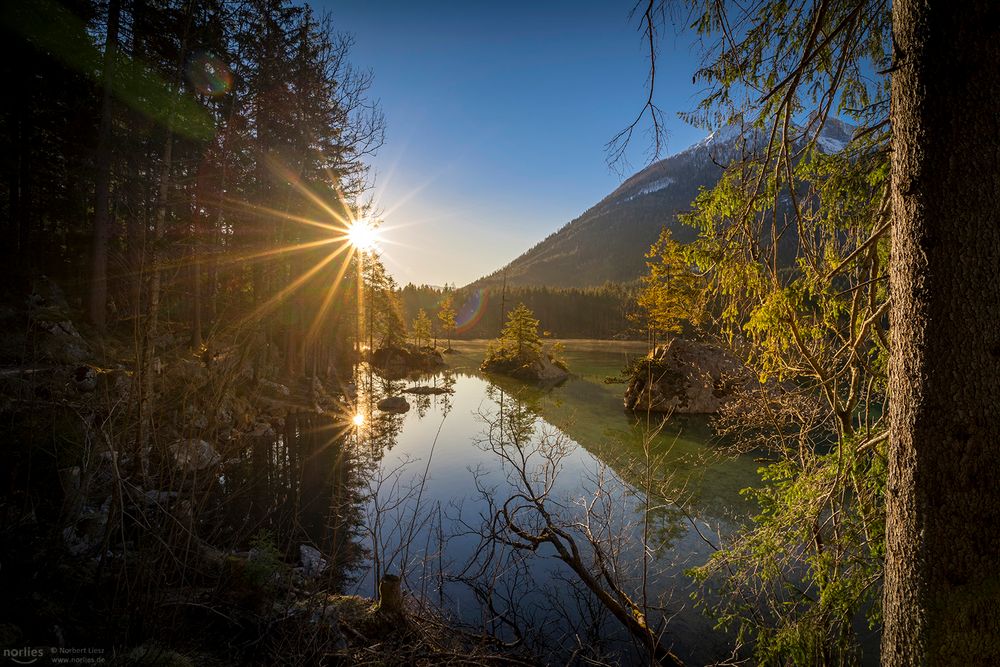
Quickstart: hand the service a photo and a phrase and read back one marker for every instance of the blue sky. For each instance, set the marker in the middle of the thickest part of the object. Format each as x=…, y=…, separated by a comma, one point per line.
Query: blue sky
x=497, y=115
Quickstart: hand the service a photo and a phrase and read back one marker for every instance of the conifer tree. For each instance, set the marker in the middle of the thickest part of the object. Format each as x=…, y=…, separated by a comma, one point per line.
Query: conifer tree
x=447, y=317
x=671, y=294
x=421, y=328
x=520, y=334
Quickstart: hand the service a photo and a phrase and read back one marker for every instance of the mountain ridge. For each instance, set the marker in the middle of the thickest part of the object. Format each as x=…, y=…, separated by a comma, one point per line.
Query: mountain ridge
x=608, y=241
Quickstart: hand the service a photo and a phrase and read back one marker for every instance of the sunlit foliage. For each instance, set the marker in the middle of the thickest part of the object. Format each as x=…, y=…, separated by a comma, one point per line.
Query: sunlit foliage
x=672, y=294
x=793, y=245
x=421, y=328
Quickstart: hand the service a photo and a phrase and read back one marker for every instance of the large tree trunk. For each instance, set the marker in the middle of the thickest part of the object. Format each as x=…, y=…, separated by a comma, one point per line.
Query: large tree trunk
x=98, y=302
x=942, y=575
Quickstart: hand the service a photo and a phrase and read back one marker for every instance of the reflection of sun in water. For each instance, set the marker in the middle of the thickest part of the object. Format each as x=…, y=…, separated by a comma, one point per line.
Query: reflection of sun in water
x=362, y=235
x=358, y=419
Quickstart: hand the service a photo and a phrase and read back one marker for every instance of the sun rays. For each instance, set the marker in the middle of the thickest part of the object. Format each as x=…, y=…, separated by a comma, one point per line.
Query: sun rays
x=350, y=235
x=312, y=244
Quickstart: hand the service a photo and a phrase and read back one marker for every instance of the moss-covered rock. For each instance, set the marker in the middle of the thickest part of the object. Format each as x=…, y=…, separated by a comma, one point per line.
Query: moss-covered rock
x=529, y=366
x=685, y=377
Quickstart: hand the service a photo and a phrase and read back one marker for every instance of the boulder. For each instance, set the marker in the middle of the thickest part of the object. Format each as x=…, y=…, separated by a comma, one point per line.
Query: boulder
x=686, y=377
x=85, y=378
x=158, y=498
x=275, y=387
x=187, y=373
x=402, y=360
x=86, y=534
x=312, y=561
x=394, y=404
x=534, y=368
x=193, y=454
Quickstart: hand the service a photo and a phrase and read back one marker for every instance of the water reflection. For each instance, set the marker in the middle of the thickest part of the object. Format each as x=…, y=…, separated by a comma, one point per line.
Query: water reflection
x=298, y=481
x=420, y=494
x=435, y=502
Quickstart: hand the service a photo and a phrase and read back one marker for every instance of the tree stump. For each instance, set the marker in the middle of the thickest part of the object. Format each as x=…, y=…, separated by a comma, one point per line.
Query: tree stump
x=390, y=596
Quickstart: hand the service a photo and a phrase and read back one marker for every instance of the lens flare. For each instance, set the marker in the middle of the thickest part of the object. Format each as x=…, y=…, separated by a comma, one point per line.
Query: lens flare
x=362, y=234
x=471, y=311
x=209, y=75
x=359, y=419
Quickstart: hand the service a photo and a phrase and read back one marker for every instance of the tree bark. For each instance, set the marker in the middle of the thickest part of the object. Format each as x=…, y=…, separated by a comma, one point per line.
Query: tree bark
x=942, y=573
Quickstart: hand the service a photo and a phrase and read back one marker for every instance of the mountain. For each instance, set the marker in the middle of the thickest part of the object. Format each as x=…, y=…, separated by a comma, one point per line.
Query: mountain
x=609, y=241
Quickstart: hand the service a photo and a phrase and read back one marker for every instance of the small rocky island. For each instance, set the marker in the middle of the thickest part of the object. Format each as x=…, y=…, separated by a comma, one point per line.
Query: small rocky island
x=685, y=377
x=519, y=353
x=401, y=360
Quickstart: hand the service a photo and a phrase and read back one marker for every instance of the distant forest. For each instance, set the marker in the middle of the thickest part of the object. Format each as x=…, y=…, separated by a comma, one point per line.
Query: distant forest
x=604, y=312
x=181, y=167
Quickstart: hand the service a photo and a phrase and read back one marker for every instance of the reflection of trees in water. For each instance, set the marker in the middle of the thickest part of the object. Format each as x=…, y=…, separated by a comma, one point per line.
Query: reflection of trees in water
x=603, y=529
x=302, y=485
x=638, y=462
x=424, y=402
x=399, y=529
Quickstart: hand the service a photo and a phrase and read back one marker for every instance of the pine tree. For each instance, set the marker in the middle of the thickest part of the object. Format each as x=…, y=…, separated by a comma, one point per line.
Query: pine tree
x=671, y=295
x=446, y=315
x=942, y=592
x=421, y=329
x=520, y=334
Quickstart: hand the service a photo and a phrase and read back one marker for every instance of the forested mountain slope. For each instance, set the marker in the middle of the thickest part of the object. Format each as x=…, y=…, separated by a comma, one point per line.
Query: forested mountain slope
x=608, y=242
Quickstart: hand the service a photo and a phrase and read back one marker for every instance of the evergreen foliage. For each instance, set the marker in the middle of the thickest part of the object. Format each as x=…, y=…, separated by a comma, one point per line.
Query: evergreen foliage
x=446, y=315
x=421, y=329
x=520, y=335
x=672, y=294
x=384, y=323
x=174, y=162
x=601, y=312
x=798, y=581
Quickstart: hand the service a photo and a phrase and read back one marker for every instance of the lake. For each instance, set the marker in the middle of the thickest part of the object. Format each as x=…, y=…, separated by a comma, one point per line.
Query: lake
x=438, y=474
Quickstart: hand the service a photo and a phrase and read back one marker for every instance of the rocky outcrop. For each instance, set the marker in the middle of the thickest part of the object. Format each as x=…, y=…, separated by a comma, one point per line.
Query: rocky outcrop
x=193, y=454
x=685, y=377
x=399, y=361
x=56, y=337
x=534, y=368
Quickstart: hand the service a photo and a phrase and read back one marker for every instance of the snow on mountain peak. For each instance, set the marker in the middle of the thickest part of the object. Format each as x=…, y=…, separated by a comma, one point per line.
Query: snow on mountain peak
x=833, y=138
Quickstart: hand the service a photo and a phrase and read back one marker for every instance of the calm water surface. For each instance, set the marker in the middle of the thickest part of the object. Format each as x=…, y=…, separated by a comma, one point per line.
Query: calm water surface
x=434, y=469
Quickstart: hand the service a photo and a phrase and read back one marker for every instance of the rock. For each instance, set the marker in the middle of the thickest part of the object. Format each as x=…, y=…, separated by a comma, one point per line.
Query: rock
x=686, y=377
x=275, y=387
x=114, y=384
x=548, y=371
x=271, y=409
x=395, y=404
x=195, y=418
x=49, y=313
x=193, y=454
x=312, y=561
x=423, y=390
x=85, y=378
x=73, y=493
x=262, y=430
x=87, y=534
x=534, y=368
x=402, y=360
x=46, y=300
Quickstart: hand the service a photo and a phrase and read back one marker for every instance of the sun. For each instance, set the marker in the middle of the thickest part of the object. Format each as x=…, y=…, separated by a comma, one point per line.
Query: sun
x=358, y=419
x=362, y=234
